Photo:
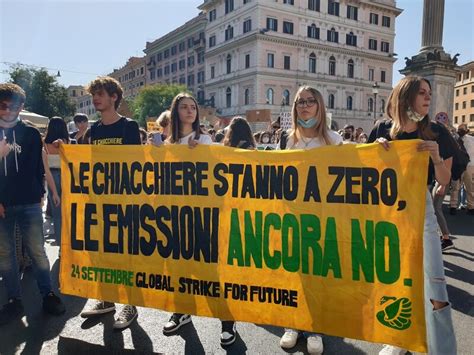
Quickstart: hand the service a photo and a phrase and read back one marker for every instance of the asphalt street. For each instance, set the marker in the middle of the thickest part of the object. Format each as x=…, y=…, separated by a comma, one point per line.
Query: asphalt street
x=38, y=333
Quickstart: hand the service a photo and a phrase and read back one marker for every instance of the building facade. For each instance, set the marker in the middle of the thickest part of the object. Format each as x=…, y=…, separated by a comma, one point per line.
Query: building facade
x=259, y=52
x=83, y=101
x=178, y=57
x=464, y=96
x=132, y=76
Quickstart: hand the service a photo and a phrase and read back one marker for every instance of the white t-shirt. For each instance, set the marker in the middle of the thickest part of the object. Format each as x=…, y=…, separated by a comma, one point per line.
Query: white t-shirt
x=203, y=139
x=308, y=143
x=469, y=145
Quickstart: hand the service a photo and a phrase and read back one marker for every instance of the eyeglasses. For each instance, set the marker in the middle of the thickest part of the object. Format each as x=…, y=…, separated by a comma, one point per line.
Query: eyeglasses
x=11, y=107
x=308, y=103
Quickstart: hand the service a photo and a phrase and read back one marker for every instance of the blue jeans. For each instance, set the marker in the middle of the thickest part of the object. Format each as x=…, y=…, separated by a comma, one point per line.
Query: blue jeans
x=56, y=211
x=30, y=221
x=439, y=324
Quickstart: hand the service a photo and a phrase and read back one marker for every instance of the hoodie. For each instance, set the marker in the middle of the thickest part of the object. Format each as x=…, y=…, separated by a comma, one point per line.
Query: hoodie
x=21, y=170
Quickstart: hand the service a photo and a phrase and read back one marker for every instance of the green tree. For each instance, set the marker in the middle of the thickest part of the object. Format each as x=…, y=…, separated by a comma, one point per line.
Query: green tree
x=153, y=100
x=43, y=93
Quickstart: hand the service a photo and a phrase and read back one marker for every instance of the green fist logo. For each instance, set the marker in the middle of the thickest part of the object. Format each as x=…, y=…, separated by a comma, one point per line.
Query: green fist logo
x=396, y=314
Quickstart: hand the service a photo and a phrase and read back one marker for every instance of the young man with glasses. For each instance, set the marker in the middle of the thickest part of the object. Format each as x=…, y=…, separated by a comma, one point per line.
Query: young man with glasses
x=21, y=191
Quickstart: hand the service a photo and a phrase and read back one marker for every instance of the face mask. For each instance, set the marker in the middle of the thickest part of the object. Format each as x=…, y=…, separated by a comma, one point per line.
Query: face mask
x=414, y=116
x=307, y=124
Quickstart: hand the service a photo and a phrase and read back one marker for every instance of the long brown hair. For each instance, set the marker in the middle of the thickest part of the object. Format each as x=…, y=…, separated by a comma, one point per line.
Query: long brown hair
x=321, y=128
x=401, y=99
x=176, y=123
x=239, y=134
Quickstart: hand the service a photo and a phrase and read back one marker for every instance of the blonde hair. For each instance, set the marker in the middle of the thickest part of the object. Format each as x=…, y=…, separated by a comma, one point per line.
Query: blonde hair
x=321, y=128
x=401, y=99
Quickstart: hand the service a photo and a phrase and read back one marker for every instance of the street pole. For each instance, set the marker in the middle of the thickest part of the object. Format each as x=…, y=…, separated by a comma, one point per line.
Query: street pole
x=375, y=91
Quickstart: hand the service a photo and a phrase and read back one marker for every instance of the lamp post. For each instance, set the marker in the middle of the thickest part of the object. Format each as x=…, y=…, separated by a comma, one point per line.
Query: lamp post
x=375, y=91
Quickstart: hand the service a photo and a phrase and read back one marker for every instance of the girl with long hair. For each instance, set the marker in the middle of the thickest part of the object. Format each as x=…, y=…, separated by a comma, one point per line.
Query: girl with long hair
x=309, y=130
x=407, y=110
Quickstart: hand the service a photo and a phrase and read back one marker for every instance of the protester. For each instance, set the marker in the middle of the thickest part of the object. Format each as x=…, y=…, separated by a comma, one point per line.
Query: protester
x=21, y=191
x=143, y=136
x=56, y=134
x=239, y=135
x=309, y=130
x=362, y=138
x=112, y=129
x=467, y=177
x=185, y=129
x=407, y=110
x=164, y=121
x=81, y=120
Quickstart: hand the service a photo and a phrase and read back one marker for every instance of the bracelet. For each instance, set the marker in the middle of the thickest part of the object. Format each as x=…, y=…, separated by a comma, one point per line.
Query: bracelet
x=440, y=161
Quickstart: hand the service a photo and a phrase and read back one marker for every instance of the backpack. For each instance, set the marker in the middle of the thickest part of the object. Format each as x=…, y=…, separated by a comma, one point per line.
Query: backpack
x=460, y=158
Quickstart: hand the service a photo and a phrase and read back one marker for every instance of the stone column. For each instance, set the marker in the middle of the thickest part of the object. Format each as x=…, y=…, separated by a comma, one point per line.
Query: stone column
x=433, y=16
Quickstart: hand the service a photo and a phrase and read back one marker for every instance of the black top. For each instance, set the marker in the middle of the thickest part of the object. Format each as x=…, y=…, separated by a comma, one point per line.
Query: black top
x=22, y=170
x=123, y=132
x=446, y=150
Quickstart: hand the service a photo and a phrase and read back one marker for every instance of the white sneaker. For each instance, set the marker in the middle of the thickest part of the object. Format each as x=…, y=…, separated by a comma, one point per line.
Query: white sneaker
x=315, y=344
x=289, y=339
x=392, y=350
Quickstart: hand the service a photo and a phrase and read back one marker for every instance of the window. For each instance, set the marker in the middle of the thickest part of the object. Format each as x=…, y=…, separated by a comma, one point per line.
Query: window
x=228, y=64
x=212, y=15
x=385, y=21
x=313, y=31
x=167, y=70
x=182, y=80
x=464, y=90
x=270, y=60
x=190, y=79
x=464, y=104
x=333, y=7
x=333, y=36
x=331, y=101
x=152, y=74
x=373, y=44
x=200, y=77
x=472, y=103
x=246, y=1
x=174, y=67
x=212, y=41
x=332, y=65
x=384, y=46
x=272, y=24
x=352, y=12
x=463, y=117
x=286, y=62
x=247, y=61
x=314, y=5
x=370, y=105
x=456, y=119
x=382, y=105
x=166, y=53
x=229, y=33
x=191, y=42
x=270, y=96
x=350, y=68
x=289, y=2
x=457, y=92
x=349, y=103
x=471, y=117
x=456, y=106
x=312, y=63
x=191, y=61
x=247, y=97
x=472, y=89
x=159, y=57
x=228, y=98
x=213, y=71
x=351, y=39
x=371, y=74
x=374, y=19
x=382, y=76
x=200, y=56
x=247, y=25
x=174, y=50
x=288, y=27
x=286, y=97
x=229, y=6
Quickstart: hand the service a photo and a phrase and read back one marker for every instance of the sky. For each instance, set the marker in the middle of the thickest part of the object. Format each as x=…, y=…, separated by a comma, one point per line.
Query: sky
x=86, y=38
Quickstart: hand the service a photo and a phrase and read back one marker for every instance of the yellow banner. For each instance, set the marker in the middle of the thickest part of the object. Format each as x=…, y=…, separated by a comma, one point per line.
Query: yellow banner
x=326, y=240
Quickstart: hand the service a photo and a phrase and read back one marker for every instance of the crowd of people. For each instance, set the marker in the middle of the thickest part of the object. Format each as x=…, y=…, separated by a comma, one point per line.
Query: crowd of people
x=28, y=162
